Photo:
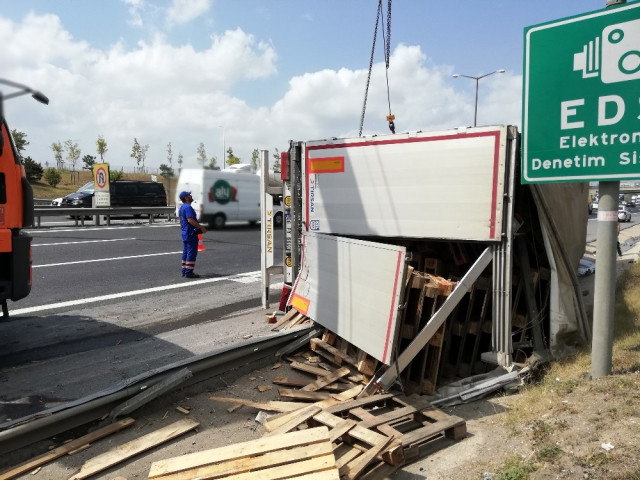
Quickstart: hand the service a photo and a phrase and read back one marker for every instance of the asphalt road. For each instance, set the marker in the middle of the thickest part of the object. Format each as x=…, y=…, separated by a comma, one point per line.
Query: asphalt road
x=109, y=303
x=592, y=225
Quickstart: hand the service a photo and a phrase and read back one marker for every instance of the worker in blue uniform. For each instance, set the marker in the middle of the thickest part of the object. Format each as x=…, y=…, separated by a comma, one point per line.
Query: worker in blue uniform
x=190, y=229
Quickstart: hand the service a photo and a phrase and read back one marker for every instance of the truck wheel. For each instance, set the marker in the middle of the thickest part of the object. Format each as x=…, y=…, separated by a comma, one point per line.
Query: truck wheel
x=277, y=220
x=218, y=222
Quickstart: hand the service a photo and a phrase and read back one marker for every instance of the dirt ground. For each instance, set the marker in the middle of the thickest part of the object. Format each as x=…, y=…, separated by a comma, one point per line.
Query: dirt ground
x=585, y=423
x=590, y=430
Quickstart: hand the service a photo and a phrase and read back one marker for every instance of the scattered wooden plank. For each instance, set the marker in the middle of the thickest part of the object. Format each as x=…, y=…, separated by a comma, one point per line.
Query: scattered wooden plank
x=337, y=356
x=276, y=421
x=271, y=457
x=285, y=318
x=272, y=406
x=326, y=380
x=354, y=469
x=300, y=417
x=72, y=446
x=303, y=394
x=341, y=428
x=371, y=421
x=360, y=402
x=350, y=394
x=303, y=367
x=134, y=447
x=344, y=454
x=290, y=382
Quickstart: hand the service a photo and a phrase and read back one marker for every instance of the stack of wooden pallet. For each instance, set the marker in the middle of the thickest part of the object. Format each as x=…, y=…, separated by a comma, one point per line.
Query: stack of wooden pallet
x=424, y=294
x=370, y=436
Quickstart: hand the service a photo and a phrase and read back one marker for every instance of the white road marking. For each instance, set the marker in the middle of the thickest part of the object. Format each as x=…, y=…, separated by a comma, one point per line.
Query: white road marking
x=251, y=277
x=84, y=241
x=101, y=228
x=115, y=296
x=106, y=259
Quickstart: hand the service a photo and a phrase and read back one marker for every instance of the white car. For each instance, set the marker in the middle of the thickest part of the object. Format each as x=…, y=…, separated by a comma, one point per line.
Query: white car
x=624, y=215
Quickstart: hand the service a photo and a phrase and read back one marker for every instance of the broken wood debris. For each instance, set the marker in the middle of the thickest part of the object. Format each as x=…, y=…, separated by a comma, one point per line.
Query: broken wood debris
x=302, y=454
x=370, y=436
x=291, y=319
x=65, y=449
x=134, y=447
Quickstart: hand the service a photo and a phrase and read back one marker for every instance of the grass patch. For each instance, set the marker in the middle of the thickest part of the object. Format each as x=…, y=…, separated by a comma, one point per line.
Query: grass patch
x=515, y=468
x=548, y=452
x=559, y=388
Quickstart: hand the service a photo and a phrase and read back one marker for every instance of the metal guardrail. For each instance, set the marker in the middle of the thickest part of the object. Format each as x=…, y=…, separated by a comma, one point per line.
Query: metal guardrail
x=79, y=214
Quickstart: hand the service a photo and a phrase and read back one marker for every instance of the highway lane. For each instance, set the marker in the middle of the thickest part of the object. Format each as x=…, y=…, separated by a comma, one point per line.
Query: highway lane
x=592, y=225
x=80, y=263
x=109, y=303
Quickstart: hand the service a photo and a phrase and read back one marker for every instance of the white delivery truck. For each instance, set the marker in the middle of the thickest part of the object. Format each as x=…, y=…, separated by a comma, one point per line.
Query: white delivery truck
x=221, y=196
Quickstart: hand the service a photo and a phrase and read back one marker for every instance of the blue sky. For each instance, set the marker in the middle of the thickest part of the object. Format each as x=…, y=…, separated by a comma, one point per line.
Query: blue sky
x=256, y=73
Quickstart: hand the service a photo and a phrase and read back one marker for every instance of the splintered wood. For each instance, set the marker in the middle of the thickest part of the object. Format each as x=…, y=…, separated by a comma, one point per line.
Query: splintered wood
x=291, y=319
x=369, y=437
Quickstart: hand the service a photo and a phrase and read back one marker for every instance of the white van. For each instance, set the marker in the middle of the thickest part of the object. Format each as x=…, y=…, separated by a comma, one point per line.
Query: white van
x=221, y=196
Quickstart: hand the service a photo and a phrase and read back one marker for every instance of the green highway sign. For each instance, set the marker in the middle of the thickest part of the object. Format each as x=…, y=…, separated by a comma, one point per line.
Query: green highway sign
x=581, y=98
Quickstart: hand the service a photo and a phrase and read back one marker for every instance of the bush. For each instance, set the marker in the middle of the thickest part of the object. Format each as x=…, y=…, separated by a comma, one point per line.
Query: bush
x=52, y=176
x=114, y=175
x=32, y=169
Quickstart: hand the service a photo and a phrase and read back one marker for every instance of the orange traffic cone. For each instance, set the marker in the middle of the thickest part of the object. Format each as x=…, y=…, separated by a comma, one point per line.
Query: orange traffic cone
x=200, y=244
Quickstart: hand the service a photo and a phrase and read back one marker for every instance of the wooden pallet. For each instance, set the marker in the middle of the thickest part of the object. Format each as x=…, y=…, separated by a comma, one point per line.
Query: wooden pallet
x=424, y=294
x=468, y=332
x=382, y=428
x=302, y=454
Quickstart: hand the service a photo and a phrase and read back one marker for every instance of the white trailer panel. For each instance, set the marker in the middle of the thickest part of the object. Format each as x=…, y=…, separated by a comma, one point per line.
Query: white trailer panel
x=446, y=185
x=352, y=287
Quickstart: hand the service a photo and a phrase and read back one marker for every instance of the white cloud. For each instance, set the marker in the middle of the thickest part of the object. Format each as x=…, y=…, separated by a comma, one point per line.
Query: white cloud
x=183, y=11
x=135, y=7
x=160, y=93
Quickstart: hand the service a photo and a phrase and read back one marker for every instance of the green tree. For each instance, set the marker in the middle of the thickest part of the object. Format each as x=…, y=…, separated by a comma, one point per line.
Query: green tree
x=20, y=140
x=166, y=171
x=180, y=160
x=255, y=159
x=73, y=153
x=52, y=176
x=276, y=161
x=213, y=164
x=231, y=158
x=139, y=152
x=88, y=162
x=57, y=154
x=32, y=170
x=101, y=147
x=169, y=154
x=202, y=155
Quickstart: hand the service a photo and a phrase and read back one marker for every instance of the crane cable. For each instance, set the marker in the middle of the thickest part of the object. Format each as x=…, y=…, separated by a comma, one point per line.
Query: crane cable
x=387, y=49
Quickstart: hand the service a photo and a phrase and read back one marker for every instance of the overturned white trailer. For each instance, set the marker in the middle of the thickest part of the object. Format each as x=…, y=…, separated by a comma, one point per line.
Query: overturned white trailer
x=359, y=212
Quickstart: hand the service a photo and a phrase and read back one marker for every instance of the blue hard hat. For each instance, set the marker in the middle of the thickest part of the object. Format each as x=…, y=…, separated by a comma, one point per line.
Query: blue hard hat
x=183, y=194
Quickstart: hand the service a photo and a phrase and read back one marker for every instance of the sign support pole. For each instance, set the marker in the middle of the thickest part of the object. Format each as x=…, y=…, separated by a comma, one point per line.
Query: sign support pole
x=605, y=280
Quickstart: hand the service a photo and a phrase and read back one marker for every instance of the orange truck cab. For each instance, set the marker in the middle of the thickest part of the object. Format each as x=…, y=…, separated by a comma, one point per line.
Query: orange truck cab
x=16, y=212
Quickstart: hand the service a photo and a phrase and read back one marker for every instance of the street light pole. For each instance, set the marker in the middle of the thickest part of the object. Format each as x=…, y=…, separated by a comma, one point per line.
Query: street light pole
x=224, y=149
x=477, y=80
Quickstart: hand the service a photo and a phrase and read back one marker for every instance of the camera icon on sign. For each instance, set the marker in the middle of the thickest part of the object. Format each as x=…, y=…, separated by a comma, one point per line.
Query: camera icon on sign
x=614, y=56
